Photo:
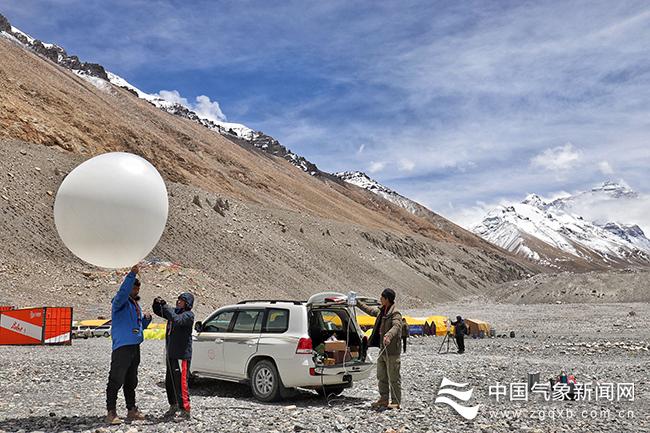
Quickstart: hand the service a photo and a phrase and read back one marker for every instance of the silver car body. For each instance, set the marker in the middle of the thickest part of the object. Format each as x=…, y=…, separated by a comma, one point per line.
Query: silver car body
x=223, y=354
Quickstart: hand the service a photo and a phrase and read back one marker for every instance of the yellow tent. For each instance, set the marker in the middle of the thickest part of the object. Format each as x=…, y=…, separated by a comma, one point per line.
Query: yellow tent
x=366, y=321
x=476, y=327
x=333, y=318
x=157, y=326
x=93, y=323
x=440, y=324
x=154, y=334
x=415, y=320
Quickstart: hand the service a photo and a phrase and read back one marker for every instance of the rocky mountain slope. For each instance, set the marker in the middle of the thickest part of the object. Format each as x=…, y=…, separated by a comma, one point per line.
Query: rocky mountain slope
x=100, y=77
x=552, y=234
x=282, y=233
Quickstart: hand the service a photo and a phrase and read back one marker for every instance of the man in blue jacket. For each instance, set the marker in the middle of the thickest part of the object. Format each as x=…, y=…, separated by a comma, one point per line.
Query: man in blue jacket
x=127, y=326
x=178, y=341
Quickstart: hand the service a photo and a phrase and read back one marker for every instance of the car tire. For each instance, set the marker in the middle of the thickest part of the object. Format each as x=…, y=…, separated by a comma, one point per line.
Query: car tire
x=85, y=337
x=106, y=334
x=265, y=381
x=331, y=390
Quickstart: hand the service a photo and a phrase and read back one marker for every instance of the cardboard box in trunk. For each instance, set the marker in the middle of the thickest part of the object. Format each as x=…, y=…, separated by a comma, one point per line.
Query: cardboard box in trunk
x=333, y=346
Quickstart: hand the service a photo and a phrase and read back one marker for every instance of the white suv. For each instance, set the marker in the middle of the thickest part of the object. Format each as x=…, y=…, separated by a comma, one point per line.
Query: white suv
x=276, y=345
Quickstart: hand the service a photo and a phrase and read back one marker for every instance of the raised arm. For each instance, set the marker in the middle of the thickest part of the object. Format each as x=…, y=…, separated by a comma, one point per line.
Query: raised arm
x=186, y=318
x=373, y=311
x=122, y=295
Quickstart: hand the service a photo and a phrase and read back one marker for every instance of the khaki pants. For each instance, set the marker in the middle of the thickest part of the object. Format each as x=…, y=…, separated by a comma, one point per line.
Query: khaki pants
x=389, y=378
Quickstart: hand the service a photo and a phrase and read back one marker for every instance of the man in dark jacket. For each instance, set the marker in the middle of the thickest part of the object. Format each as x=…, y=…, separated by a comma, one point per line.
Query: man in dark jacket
x=386, y=334
x=127, y=326
x=460, y=329
x=178, y=341
x=405, y=334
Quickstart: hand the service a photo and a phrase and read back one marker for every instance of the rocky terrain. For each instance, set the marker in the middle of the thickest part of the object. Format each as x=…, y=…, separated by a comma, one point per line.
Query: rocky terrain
x=222, y=249
x=626, y=285
x=605, y=343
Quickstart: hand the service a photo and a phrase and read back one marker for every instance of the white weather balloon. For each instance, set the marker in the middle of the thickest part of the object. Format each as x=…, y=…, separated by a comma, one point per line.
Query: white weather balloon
x=111, y=210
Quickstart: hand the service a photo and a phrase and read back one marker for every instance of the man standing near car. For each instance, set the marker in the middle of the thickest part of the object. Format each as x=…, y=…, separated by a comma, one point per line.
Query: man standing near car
x=127, y=326
x=178, y=343
x=386, y=334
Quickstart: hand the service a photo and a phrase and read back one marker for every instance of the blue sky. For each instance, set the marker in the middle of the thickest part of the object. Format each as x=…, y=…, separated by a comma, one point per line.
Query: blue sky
x=459, y=105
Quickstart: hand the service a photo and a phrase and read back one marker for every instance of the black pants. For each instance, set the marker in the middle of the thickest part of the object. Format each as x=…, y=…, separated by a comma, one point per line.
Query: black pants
x=124, y=373
x=177, y=383
x=460, y=341
x=404, y=344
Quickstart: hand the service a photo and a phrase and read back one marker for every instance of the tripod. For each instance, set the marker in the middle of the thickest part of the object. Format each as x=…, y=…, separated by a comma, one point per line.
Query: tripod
x=448, y=339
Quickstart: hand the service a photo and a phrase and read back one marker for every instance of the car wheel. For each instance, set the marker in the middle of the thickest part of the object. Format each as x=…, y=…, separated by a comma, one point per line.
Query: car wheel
x=265, y=381
x=106, y=334
x=330, y=390
x=85, y=336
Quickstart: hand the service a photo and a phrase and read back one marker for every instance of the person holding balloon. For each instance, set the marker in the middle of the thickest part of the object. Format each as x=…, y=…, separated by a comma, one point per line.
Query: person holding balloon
x=127, y=326
x=178, y=351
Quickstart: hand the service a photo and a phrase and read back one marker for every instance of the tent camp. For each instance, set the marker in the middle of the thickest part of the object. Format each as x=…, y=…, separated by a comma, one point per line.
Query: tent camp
x=366, y=322
x=416, y=325
x=437, y=324
x=477, y=328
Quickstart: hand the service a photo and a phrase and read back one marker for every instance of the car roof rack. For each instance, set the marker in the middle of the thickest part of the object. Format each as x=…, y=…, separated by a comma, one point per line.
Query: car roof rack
x=271, y=301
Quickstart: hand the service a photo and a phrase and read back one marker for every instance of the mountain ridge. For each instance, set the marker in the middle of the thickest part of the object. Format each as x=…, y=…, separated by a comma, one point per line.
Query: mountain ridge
x=607, y=244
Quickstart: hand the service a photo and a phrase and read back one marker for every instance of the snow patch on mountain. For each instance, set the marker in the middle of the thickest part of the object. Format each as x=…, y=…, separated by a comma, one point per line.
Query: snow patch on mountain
x=362, y=180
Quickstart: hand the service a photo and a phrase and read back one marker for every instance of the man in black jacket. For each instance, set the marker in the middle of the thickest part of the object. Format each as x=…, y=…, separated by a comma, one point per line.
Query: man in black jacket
x=460, y=329
x=178, y=341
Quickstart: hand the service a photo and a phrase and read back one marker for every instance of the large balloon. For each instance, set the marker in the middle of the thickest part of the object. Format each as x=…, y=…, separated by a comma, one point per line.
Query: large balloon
x=111, y=210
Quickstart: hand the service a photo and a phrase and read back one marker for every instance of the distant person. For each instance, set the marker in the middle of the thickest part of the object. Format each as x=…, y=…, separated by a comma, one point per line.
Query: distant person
x=178, y=342
x=460, y=329
x=127, y=326
x=405, y=334
x=386, y=335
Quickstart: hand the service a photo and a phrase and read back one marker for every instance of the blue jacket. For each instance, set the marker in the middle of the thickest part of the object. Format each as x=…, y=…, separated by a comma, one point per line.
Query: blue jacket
x=179, y=327
x=128, y=322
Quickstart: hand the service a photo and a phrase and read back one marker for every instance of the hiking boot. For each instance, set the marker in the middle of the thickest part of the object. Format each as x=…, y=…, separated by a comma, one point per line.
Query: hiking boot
x=381, y=403
x=112, y=418
x=183, y=415
x=134, y=415
x=171, y=411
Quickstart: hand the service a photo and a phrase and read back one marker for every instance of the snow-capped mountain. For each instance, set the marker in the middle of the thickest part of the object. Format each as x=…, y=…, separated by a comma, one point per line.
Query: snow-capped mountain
x=100, y=77
x=362, y=180
x=537, y=229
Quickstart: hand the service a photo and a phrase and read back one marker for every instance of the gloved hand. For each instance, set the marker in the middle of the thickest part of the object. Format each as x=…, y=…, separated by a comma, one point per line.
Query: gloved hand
x=159, y=300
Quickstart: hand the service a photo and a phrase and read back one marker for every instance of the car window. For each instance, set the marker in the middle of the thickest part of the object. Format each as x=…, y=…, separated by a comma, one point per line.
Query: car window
x=331, y=320
x=218, y=323
x=277, y=321
x=248, y=321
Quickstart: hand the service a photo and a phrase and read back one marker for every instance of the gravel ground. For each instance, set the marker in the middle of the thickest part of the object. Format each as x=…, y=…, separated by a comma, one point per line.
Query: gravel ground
x=63, y=388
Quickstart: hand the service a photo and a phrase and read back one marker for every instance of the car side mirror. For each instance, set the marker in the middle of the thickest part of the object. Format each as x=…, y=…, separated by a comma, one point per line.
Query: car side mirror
x=198, y=326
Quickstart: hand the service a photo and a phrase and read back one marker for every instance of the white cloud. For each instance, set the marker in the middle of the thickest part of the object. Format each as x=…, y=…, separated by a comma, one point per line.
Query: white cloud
x=605, y=168
x=173, y=96
x=561, y=158
x=204, y=107
x=360, y=150
x=406, y=164
x=376, y=166
x=209, y=109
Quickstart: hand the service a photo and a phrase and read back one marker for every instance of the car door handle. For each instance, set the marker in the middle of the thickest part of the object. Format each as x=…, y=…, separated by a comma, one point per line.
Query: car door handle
x=218, y=340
